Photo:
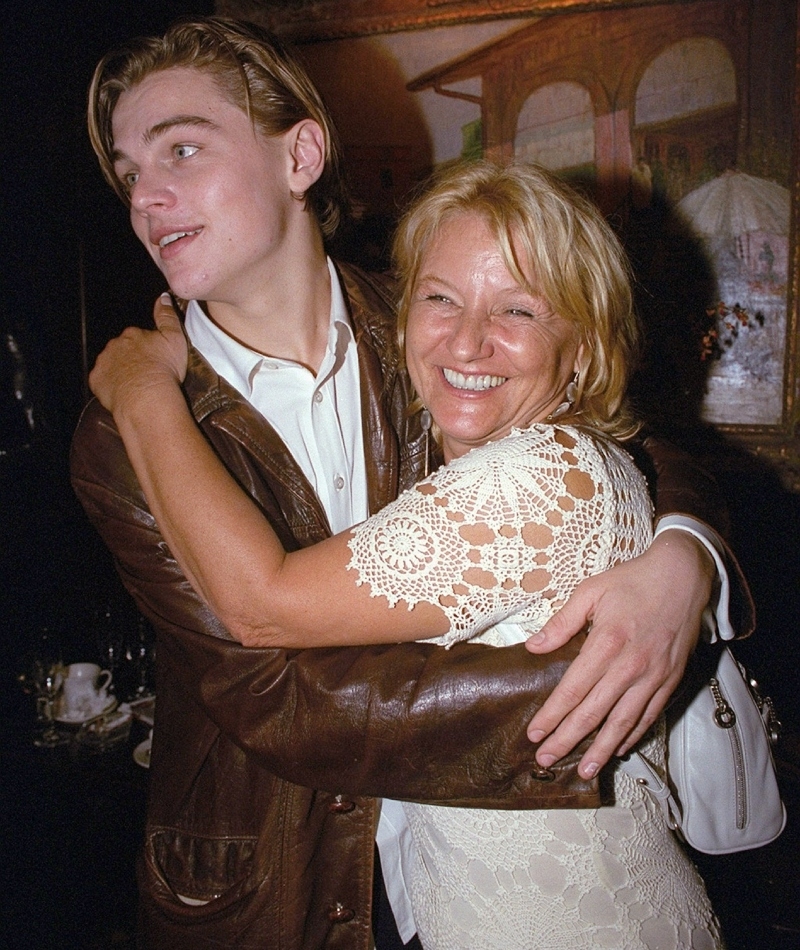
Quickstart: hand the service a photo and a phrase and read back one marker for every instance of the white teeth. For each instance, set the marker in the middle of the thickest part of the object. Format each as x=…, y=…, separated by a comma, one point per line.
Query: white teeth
x=174, y=237
x=475, y=383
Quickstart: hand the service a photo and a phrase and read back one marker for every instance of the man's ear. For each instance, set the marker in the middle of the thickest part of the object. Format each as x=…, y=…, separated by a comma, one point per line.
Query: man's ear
x=307, y=149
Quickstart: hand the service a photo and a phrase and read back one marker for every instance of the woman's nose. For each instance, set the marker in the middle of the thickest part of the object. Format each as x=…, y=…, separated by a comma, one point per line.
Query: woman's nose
x=470, y=338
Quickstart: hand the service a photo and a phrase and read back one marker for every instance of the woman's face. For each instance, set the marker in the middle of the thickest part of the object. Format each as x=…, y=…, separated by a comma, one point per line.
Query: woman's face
x=484, y=355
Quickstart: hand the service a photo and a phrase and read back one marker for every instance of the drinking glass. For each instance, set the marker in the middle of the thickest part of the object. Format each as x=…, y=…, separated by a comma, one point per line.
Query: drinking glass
x=141, y=654
x=110, y=639
x=47, y=675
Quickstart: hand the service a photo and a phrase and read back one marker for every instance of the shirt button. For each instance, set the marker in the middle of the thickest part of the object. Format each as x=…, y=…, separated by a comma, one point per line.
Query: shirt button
x=338, y=483
x=317, y=397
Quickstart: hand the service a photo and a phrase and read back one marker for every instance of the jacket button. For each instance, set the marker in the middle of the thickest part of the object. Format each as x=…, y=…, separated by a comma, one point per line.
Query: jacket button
x=341, y=805
x=542, y=774
x=339, y=914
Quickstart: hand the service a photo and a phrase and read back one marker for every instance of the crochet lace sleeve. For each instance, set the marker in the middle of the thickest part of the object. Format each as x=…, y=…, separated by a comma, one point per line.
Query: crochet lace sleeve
x=508, y=530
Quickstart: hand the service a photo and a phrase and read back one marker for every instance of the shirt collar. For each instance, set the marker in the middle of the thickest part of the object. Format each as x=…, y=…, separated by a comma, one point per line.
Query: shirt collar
x=238, y=364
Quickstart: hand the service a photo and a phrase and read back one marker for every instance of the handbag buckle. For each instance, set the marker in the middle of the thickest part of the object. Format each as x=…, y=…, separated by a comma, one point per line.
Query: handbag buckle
x=724, y=716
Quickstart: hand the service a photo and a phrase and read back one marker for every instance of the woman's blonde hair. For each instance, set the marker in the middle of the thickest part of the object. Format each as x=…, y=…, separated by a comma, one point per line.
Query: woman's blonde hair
x=253, y=70
x=557, y=245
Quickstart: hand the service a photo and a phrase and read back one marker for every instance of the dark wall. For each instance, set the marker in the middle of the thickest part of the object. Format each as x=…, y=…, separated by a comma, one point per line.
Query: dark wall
x=67, y=245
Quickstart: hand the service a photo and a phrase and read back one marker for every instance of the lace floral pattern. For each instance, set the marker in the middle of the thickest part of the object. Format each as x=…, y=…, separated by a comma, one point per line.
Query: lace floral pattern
x=500, y=538
x=508, y=530
x=614, y=877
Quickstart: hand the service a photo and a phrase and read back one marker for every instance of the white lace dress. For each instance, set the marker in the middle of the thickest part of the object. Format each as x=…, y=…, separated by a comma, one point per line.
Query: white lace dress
x=526, y=519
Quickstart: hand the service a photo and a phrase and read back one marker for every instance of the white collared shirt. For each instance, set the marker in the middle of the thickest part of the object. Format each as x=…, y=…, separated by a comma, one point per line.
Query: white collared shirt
x=318, y=417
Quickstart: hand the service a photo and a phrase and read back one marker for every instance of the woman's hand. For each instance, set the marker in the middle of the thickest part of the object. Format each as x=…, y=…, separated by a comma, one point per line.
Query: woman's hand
x=644, y=617
x=134, y=367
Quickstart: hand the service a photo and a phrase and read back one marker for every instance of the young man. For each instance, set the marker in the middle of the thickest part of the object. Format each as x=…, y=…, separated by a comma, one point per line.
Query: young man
x=267, y=765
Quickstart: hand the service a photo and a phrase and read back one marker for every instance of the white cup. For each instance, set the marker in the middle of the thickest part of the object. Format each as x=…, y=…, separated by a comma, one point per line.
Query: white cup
x=85, y=691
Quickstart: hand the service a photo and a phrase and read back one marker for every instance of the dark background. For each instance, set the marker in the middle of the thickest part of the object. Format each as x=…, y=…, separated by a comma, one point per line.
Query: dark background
x=68, y=250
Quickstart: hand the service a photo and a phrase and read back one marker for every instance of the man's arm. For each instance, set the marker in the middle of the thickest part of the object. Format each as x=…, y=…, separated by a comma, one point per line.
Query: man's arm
x=644, y=617
x=406, y=721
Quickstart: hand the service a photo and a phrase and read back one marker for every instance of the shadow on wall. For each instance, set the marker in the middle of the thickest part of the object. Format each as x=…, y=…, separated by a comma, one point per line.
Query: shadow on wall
x=387, y=146
x=674, y=281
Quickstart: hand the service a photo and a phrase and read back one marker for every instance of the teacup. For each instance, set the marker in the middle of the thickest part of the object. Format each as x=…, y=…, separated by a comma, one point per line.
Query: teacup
x=85, y=691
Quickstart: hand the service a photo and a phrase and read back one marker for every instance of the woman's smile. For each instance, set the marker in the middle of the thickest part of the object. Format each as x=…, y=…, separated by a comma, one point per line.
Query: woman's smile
x=484, y=353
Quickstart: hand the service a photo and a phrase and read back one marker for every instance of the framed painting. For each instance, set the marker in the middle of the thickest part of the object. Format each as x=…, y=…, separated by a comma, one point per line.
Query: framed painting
x=681, y=118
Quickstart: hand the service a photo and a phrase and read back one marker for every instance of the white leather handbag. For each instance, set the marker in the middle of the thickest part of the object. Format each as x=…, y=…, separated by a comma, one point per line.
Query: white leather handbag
x=721, y=793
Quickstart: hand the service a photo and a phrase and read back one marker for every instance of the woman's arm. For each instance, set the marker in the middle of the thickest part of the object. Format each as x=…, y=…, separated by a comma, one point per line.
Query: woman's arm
x=370, y=720
x=226, y=548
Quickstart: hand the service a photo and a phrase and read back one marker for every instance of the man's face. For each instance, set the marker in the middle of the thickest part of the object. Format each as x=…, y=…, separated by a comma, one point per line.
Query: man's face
x=210, y=196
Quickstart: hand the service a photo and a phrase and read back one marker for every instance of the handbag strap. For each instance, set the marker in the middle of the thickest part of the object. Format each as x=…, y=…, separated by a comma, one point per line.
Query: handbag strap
x=643, y=773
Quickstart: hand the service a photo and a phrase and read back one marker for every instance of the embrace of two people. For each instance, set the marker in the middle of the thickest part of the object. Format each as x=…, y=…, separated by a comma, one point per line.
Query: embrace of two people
x=313, y=457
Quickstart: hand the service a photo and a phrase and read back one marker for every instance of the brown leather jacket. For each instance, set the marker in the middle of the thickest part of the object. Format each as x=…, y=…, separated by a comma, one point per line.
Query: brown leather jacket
x=266, y=764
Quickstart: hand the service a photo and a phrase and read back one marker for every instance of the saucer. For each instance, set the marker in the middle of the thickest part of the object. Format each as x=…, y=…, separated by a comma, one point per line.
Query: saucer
x=104, y=732
x=141, y=754
x=67, y=719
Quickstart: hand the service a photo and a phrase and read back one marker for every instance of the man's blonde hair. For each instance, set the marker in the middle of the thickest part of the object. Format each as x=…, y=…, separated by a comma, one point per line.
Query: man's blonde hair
x=253, y=70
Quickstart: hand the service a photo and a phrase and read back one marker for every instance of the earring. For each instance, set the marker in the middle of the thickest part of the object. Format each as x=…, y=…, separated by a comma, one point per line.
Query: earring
x=425, y=421
x=570, y=395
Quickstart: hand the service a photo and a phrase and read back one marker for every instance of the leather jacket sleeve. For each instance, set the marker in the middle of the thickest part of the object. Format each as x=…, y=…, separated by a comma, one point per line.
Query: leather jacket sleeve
x=408, y=721
x=682, y=486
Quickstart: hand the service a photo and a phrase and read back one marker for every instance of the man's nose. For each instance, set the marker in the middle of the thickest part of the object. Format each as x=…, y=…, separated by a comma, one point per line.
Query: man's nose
x=471, y=336
x=150, y=191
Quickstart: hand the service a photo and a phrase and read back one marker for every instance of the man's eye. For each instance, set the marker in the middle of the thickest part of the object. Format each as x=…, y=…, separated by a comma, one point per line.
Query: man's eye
x=185, y=151
x=437, y=298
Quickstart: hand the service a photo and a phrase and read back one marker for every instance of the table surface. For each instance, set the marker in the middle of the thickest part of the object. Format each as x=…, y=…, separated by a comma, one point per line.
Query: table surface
x=71, y=820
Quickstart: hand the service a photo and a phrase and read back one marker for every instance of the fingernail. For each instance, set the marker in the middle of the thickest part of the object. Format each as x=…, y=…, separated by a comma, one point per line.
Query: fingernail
x=537, y=735
x=590, y=770
x=536, y=638
x=165, y=298
x=545, y=760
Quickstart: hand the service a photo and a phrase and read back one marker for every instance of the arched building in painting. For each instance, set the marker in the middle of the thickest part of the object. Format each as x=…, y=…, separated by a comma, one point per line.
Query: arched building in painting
x=652, y=95
x=645, y=105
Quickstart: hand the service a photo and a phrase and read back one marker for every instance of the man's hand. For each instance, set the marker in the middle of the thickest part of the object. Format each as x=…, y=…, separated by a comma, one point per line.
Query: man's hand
x=133, y=366
x=644, y=620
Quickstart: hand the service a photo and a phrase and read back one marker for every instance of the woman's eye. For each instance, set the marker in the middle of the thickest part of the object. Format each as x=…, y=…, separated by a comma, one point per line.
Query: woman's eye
x=185, y=151
x=129, y=179
x=520, y=312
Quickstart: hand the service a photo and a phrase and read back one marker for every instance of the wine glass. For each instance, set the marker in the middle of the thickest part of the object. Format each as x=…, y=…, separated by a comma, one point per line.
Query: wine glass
x=141, y=653
x=48, y=676
x=110, y=639
x=49, y=685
